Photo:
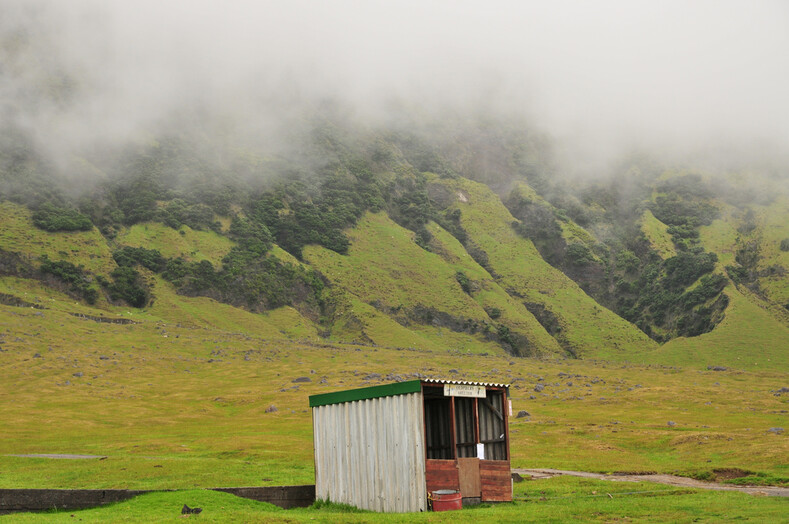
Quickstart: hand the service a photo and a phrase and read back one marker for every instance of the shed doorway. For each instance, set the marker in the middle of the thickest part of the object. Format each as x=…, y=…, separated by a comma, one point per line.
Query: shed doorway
x=463, y=427
x=467, y=447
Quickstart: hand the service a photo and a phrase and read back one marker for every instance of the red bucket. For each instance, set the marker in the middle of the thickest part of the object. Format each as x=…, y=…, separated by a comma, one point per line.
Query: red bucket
x=447, y=499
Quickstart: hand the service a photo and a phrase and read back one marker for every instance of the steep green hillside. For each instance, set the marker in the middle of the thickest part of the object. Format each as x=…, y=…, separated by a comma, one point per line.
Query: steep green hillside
x=656, y=233
x=774, y=264
x=583, y=327
x=284, y=322
x=18, y=235
x=748, y=337
x=171, y=243
x=436, y=294
x=459, y=235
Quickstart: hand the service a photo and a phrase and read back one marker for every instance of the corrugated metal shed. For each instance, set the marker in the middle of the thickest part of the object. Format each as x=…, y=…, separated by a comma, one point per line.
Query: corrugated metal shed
x=372, y=450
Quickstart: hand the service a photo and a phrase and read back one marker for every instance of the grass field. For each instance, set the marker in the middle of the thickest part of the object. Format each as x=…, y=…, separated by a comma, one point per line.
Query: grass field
x=559, y=499
x=183, y=404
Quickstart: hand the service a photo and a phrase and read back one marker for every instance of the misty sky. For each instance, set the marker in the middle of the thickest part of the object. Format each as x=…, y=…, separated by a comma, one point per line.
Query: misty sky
x=601, y=75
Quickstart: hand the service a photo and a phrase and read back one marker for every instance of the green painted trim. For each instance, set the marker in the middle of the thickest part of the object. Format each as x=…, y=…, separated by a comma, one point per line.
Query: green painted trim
x=349, y=395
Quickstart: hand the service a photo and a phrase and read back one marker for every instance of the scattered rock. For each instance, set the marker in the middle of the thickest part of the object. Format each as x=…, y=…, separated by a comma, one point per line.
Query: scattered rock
x=538, y=388
x=783, y=390
x=777, y=431
x=271, y=409
x=324, y=381
x=454, y=371
x=532, y=397
x=373, y=376
x=37, y=355
x=78, y=374
x=103, y=357
x=301, y=379
x=671, y=423
x=522, y=414
x=717, y=368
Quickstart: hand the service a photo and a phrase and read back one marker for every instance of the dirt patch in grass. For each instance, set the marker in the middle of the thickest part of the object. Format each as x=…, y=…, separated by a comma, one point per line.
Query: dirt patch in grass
x=723, y=474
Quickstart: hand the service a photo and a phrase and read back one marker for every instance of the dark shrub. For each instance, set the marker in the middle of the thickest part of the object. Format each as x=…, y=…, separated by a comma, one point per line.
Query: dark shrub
x=53, y=218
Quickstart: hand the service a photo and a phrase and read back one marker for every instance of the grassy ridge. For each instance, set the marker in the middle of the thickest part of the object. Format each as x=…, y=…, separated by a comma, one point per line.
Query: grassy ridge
x=186, y=242
x=284, y=322
x=775, y=229
x=748, y=337
x=386, y=267
x=657, y=234
x=588, y=329
x=87, y=248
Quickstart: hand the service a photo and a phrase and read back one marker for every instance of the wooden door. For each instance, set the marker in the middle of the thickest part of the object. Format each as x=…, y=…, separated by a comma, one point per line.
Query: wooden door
x=469, y=479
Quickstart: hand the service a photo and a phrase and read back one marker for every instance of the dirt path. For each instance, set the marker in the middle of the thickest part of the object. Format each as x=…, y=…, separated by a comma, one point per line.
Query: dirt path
x=671, y=480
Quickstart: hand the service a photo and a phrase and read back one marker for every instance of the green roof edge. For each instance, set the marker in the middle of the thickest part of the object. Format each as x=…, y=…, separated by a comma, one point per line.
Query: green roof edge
x=350, y=395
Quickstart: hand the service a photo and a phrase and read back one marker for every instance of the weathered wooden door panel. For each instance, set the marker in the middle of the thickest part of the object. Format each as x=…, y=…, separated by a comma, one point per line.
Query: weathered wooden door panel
x=469, y=478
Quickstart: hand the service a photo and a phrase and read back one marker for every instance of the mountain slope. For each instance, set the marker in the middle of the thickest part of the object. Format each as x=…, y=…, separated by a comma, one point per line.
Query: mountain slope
x=387, y=269
x=582, y=326
x=748, y=337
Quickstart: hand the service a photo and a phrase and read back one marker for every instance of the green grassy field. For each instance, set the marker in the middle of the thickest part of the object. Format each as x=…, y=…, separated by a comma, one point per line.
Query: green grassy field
x=180, y=404
x=559, y=499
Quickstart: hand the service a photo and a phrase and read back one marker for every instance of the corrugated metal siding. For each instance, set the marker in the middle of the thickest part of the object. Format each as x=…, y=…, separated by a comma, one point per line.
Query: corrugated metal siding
x=369, y=453
x=470, y=383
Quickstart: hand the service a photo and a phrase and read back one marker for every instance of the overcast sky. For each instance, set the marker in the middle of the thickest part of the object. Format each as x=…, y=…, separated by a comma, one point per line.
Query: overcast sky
x=602, y=74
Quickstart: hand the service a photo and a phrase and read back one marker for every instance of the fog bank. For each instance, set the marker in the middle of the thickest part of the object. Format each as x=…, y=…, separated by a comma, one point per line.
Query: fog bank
x=673, y=77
